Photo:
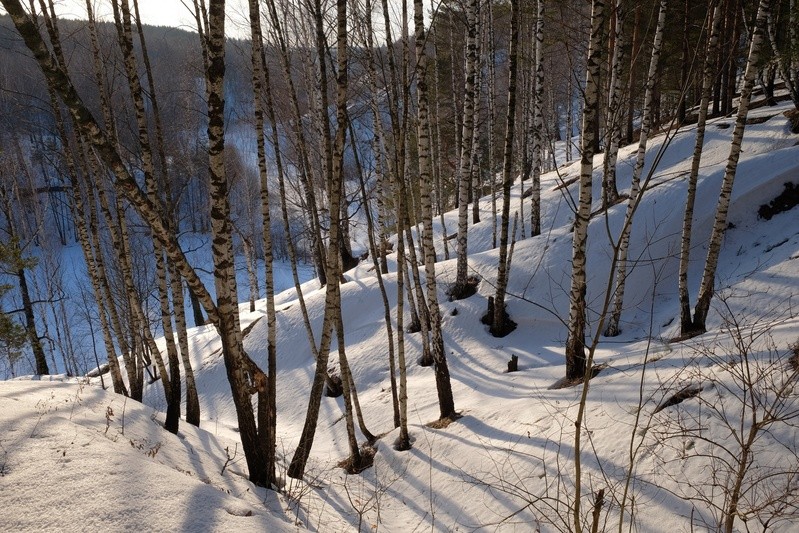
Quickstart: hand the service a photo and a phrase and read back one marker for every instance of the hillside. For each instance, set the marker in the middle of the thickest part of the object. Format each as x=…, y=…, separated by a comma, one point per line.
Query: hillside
x=508, y=463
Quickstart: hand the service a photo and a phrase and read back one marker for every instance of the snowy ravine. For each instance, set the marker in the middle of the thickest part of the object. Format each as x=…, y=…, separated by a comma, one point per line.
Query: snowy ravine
x=507, y=464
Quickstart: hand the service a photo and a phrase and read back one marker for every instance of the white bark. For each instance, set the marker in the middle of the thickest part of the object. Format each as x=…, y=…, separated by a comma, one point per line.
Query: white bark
x=538, y=122
x=503, y=267
x=575, y=342
x=686, y=320
x=706, y=287
x=444, y=388
x=467, y=130
x=613, y=120
x=635, y=186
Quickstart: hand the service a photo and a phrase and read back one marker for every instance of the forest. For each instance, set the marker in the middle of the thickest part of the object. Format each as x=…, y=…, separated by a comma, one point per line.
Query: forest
x=166, y=190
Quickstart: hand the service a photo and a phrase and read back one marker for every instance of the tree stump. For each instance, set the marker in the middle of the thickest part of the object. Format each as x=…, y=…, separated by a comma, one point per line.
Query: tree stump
x=513, y=364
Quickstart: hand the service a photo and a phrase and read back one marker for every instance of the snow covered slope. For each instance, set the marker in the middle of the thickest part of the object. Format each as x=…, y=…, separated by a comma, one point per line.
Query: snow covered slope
x=509, y=463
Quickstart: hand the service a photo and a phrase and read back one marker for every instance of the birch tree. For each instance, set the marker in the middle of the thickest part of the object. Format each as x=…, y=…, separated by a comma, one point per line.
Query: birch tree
x=686, y=320
x=446, y=401
x=706, y=286
x=259, y=67
x=460, y=289
x=538, y=121
x=575, y=341
x=610, y=193
x=492, y=105
x=164, y=184
x=332, y=317
x=613, y=328
x=499, y=327
x=122, y=22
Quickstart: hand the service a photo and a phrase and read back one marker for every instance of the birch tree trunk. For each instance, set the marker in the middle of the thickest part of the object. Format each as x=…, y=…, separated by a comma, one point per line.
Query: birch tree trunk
x=259, y=69
x=569, y=117
x=336, y=193
x=446, y=402
x=79, y=215
x=237, y=364
x=403, y=442
x=793, y=37
x=122, y=21
x=332, y=318
x=441, y=204
x=459, y=289
x=706, y=286
x=474, y=151
x=686, y=320
x=492, y=106
x=498, y=325
x=398, y=123
x=575, y=341
x=192, y=399
x=610, y=193
x=613, y=328
x=635, y=49
x=538, y=121
x=281, y=175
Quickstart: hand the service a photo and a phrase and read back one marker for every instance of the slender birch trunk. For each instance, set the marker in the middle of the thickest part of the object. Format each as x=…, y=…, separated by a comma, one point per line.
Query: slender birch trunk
x=793, y=37
x=498, y=325
x=613, y=327
x=636, y=45
x=457, y=109
x=441, y=201
x=332, y=317
x=610, y=193
x=403, y=440
x=706, y=286
x=192, y=399
x=575, y=342
x=446, y=402
x=474, y=151
x=259, y=67
x=459, y=290
x=396, y=170
x=686, y=320
x=569, y=117
x=122, y=20
x=79, y=215
x=492, y=107
x=538, y=121
x=336, y=195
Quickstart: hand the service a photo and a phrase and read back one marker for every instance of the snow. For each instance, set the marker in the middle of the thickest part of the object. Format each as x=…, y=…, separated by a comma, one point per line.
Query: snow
x=508, y=463
x=77, y=457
